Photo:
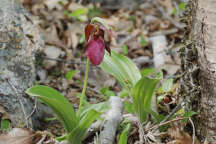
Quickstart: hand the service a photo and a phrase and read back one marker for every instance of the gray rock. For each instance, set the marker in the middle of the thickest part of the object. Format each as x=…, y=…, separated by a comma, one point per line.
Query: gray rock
x=19, y=41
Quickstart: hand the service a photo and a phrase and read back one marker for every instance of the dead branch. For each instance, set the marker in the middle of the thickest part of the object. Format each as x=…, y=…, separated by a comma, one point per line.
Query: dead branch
x=112, y=120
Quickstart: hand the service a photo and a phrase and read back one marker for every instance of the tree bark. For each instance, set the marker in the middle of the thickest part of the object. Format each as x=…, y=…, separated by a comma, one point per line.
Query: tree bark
x=199, y=65
x=19, y=41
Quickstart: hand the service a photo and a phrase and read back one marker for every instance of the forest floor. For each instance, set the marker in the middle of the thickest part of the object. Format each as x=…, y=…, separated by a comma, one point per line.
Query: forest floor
x=151, y=35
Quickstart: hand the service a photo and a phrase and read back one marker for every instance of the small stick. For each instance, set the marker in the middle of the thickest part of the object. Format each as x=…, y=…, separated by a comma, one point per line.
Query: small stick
x=164, y=32
x=177, y=108
x=164, y=123
x=177, y=8
x=20, y=101
x=34, y=109
x=193, y=130
x=61, y=60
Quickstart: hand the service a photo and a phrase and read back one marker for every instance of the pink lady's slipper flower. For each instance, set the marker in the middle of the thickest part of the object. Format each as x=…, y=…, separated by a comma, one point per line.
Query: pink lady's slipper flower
x=94, y=35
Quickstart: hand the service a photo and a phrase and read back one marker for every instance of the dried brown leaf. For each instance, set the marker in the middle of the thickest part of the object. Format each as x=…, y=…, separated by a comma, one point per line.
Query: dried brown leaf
x=20, y=136
x=73, y=6
x=51, y=37
x=51, y=4
x=4, y=114
x=180, y=136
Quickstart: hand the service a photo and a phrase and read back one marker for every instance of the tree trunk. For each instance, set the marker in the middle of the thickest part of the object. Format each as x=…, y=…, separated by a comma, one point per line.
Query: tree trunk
x=199, y=65
x=19, y=41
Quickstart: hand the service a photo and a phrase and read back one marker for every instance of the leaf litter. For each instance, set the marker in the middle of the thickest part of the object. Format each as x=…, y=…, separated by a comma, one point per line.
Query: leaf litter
x=62, y=26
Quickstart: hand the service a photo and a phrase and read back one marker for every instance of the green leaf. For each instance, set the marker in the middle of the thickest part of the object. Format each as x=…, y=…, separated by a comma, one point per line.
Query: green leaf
x=142, y=95
x=181, y=7
x=5, y=124
x=167, y=85
x=181, y=111
x=157, y=75
x=61, y=138
x=123, y=93
x=143, y=41
x=58, y=103
x=188, y=114
x=125, y=49
x=78, y=12
x=122, y=68
x=105, y=91
x=49, y=119
x=76, y=136
x=69, y=75
x=161, y=117
x=129, y=107
x=61, y=3
x=85, y=102
x=124, y=134
x=94, y=12
x=147, y=71
x=81, y=39
x=155, y=115
x=151, y=72
x=100, y=20
x=100, y=107
x=109, y=93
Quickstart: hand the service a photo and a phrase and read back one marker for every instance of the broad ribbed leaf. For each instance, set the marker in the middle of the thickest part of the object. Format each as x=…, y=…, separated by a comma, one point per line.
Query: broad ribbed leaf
x=58, y=103
x=76, y=136
x=142, y=95
x=124, y=134
x=101, y=107
x=122, y=68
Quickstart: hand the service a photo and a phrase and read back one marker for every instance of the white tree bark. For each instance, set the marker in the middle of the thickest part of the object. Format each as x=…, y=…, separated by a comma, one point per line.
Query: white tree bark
x=204, y=36
x=199, y=63
x=112, y=120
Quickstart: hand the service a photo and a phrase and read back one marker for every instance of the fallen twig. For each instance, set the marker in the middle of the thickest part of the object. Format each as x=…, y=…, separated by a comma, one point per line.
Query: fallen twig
x=112, y=120
x=61, y=60
x=177, y=108
x=34, y=109
x=93, y=128
x=177, y=8
x=165, y=123
x=165, y=32
x=193, y=138
x=19, y=97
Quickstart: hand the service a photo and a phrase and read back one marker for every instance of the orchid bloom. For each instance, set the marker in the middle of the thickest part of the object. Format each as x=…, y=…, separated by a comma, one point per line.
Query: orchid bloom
x=94, y=36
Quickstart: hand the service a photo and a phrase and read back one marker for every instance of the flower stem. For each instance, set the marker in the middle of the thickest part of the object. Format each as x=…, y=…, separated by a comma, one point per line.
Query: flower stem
x=84, y=88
